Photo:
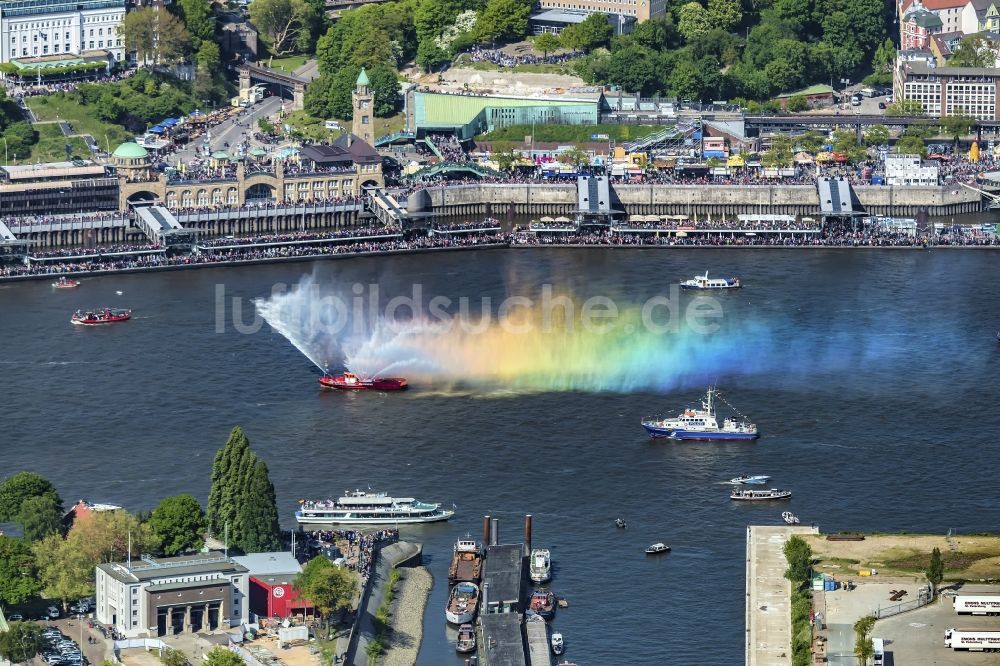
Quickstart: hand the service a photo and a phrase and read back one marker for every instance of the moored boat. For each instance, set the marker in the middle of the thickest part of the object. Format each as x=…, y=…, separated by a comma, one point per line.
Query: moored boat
x=543, y=604
x=701, y=424
x=745, y=479
x=466, y=639
x=657, y=548
x=466, y=561
x=352, y=382
x=705, y=282
x=99, y=317
x=747, y=495
x=366, y=508
x=620, y=523
x=790, y=518
x=540, y=565
x=463, y=601
x=558, y=645
x=66, y=283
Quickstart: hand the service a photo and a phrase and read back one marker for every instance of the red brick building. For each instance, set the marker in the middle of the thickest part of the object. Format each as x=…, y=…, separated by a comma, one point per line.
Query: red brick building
x=272, y=592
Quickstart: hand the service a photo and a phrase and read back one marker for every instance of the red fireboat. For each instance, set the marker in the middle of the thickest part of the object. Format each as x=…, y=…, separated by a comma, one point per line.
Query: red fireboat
x=350, y=381
x=99, y=317
x=66, y=283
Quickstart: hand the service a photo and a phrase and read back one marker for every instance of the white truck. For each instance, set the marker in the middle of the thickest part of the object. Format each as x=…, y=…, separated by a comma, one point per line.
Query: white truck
x=878, y=652
x=977, y=604
x=976, y=640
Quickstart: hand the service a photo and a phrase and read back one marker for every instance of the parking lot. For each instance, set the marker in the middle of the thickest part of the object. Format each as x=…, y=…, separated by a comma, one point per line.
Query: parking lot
x=917, y=637
x=844, y=608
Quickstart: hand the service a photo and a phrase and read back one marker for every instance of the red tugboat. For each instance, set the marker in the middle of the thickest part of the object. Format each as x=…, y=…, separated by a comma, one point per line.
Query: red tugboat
x=350, y=381
x=66, y=283
x=99, y=317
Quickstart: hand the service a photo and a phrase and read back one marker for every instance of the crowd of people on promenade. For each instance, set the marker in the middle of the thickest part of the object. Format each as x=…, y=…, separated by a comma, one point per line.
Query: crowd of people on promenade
x=356, y=547
x=449, y=147
x=44, y=220
x=31, y=88
x=300, y=236
x=102, y=250
x=498, y=57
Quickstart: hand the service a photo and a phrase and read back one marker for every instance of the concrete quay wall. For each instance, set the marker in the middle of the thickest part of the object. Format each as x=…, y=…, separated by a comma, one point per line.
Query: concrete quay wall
x=697, y=200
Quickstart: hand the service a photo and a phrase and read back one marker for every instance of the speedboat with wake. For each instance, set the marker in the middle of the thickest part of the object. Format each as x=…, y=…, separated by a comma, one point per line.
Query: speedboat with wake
x=99, y=317
x=701, y=424
x=745, y=479
x=352, y=382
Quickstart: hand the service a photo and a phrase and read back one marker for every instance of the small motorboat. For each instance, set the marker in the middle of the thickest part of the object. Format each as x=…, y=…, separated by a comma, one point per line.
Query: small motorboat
x=351, y=382
x=99, y=317
x=466, y=639
x=558, y=647
x=705, y=282
x=66, y=283
x=540, y=565
x=543, y=604
x=751, y=480
x=462, y=603
x=790, y=518
x=620, y=523
x=657, y=548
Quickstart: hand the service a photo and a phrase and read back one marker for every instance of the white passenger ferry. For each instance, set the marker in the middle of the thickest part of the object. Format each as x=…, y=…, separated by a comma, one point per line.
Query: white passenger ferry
x=366, y=508
x=707, y=283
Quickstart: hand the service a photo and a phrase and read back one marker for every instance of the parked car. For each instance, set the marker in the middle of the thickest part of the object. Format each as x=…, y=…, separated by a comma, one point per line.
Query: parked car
x=54, y=612
x=881, y=105
x=16, y=617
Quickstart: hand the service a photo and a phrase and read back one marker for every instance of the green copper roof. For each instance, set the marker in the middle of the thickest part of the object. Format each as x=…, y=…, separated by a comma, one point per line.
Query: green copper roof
x=130, y=150
x=363, y=78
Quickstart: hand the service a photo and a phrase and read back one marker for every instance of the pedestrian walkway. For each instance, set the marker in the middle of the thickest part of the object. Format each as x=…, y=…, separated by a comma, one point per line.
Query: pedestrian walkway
x=768, y=610
x=388, y=557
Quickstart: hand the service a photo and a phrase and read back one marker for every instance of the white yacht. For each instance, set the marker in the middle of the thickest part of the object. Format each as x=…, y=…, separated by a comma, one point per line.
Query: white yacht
x=705, y=282
x=558, y=645
x=540, y=565
x=367, y=508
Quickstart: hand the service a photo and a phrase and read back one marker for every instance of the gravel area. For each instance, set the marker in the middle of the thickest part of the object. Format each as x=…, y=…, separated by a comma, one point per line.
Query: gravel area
x=408, y=616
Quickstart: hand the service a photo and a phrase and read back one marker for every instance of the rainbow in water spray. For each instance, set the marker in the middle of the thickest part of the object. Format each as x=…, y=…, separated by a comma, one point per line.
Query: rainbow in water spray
x=529, y=348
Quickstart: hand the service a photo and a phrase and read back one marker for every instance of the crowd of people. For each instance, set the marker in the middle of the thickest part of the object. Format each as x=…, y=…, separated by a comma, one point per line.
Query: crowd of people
x=44, y=220
x=301, y=236
x=357, y=548
x=449, y=147
x=103, y=250
x=32, y=88
x=502, y=59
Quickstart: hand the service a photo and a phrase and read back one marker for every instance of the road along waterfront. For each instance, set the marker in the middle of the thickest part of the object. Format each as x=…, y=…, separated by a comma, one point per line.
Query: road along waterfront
x=849, y=362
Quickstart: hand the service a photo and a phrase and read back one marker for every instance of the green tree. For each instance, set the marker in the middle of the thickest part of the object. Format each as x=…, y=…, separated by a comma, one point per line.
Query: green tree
x=911, y=144
x=812, y=141
x=39, y=517
x=589, y=34
x=173, y=657
x=502, y=20
x=198, y=19
x=22, y=642
x=179, y=524
x=935, y=570
x=430, y=56
x=575, y=156
x=905, y=107
x=257, y=529
x=797, y=103
x=208, y=82
x=286, y=25
x=974, y=51
x=957, y=126
x=844, y=141
x=877, y=135
x=385, y=89
x=225, y=490
x=317, y=100
x=155, y=35
x=694, y=20
x=63, y=569
x=19, y=487
x=863, y=648
x=885, y=57
x=546, y=43
x=329, y=587
x=634, y=68
x=780, y=154
x=724, y=14
x=220, y=656
x=18, y=577
x=798, y=553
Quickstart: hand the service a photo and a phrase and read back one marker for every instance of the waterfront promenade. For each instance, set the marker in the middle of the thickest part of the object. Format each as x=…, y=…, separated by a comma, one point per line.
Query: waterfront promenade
x=768, y=594
x=388, y=558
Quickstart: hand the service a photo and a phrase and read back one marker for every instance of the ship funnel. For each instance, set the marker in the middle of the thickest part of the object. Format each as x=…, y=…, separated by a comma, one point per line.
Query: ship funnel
x=486, y=531
x=527, y=532
x=495, y=532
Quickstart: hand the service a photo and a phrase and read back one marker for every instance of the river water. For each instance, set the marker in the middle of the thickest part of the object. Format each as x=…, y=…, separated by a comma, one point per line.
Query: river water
x=871, y=373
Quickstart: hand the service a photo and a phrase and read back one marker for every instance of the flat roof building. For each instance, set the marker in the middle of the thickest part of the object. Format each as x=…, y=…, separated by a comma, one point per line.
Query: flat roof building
x=949, y=91
x=36, y=28
x=469, y=115
x=272, y=585
x=503, y=578
x=502, y=642
x=172, y=595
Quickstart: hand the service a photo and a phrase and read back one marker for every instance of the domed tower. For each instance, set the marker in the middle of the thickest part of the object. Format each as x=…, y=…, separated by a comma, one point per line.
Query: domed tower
x=131, y=161
x=363, y=124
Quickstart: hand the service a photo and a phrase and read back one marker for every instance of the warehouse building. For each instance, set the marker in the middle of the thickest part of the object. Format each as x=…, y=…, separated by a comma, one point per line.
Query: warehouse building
x=272, y=585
